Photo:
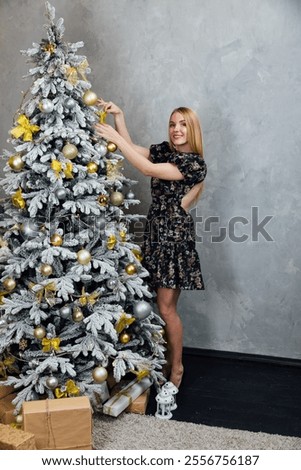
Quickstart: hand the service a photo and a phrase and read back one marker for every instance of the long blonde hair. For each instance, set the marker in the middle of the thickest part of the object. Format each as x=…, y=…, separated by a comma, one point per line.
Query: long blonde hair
x=194, y=138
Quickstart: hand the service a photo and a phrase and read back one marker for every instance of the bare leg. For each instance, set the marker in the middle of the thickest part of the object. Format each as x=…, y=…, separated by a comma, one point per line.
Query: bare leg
x=167, y=304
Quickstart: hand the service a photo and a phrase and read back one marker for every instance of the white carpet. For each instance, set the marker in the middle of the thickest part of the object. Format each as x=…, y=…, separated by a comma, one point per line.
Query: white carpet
x=140, y=432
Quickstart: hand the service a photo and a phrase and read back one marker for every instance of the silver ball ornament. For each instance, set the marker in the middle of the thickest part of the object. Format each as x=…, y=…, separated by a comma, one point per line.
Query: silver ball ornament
x=112, y=283
x=46, y=106
x=52, y=382
x=29, y=229
x=99, y=374
x=141, y=309
x=69, y=103
x=65, y=312
x=130, y=195
x=3, y=323
x=101, y=149
x=61, y=194
x=100, y=222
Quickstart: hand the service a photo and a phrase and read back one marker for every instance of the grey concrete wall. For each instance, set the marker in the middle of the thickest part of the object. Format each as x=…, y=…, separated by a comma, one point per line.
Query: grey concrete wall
x=237, y=63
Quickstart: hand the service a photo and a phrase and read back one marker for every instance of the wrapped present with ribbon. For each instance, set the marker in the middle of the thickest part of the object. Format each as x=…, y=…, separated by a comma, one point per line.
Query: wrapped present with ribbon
x=15, y=439
x=139, y=405
x=64, y=424
x=7, y=409
x=125, y=397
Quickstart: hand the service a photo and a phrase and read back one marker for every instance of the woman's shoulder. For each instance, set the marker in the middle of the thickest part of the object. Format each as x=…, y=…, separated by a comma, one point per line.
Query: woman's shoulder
x=161, y=148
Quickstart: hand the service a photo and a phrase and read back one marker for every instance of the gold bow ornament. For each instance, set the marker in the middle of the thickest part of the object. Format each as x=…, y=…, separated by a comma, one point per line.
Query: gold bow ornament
x=123, y=322
x=7, y=365
x=72, y=72
x=111, y=242
x=18, y=199
x=51, y=344
x=102, y=117
x=86, y=298
x=24, y=129
x=59, y=167
x=48, y=291
x=49, y=47
x=68, y=390
x=113, y=168
x=140, y=374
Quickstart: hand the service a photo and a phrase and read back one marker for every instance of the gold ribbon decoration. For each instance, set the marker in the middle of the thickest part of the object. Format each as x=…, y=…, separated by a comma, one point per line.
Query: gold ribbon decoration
x=70, y=389
x=2, y=296
x=137, y=253
x=90, y=299
x=123, y=322
x=48, y=291
x=140, y=373
x=7, y=365
x=18, y=200
x=49, y=47
x=112, y=240
x=68, y=170
x=122, y=235
x=72, y=72
x=52, y=344
x=57, y=167
x=24, y=129
x=102, y=117
x=113, y=169
x=81, y=68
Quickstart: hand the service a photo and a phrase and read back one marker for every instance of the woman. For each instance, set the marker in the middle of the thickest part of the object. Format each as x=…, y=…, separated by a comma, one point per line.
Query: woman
x=177, y=171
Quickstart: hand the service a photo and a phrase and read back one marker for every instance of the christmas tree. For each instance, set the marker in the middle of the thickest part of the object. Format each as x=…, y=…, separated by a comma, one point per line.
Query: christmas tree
x=75, y=304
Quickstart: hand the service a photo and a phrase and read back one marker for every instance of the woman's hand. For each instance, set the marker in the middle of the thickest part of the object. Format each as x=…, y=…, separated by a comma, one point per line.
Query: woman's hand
x=109, y=107
x=105, y=131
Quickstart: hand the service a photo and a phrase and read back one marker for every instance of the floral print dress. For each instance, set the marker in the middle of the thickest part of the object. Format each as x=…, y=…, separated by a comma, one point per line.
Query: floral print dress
x=169, y=250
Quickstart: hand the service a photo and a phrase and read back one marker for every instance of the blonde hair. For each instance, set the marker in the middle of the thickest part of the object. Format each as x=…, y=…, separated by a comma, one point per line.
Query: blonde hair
x=194, y=138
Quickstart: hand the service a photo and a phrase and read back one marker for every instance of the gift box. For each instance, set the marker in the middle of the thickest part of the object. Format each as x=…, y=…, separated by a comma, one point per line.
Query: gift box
x=140, y=404
x=15, y=439
x=125, y=397
x=7, y=409
x=5, y=390
x=100, y=396
x=64, y=423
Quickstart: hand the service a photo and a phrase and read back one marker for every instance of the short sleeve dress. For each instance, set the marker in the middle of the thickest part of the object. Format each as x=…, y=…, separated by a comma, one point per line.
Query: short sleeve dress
x=169, y=250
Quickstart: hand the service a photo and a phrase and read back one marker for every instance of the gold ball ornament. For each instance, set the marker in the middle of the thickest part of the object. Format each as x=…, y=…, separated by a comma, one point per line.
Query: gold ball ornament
x=39, y=332
x=77, y=315
x=46, y=269
x=111, y=147
x=56, y=240
x=103, y=199
x=90, y=98
x=16, y=163
x=70, y=151
x=9, y=284
x=83, y=256
x=131, y=269
x=124, y=338
x=99, y=374
x=92, y=167
x=116, y=198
